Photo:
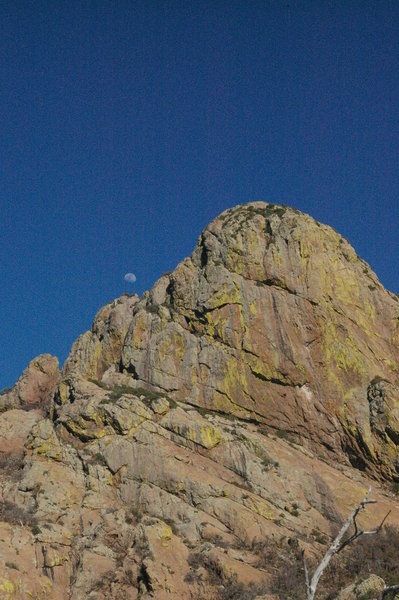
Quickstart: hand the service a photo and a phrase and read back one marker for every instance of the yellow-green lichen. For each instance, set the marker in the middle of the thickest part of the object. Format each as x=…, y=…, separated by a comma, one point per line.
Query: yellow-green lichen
x=171, y=344
x=344, y=353
x=8, y=588
x=140, y=330
x=226, y=294
x=235, y=381
x=264, y=370
x=203, y=434
x=260, y=507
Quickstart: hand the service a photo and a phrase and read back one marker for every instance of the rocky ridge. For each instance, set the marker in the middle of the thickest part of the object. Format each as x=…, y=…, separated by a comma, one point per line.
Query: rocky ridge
x=242, y=405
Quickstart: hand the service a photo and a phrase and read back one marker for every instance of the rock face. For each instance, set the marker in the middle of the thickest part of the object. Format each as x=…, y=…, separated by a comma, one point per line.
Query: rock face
x=237, y=411
x=36, y=386
x=273, y=319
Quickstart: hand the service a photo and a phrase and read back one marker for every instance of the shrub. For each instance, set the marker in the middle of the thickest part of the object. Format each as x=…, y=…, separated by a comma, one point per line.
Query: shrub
x=97, y=459
x=11, y=463
x=120, y=390
x=232, y=590
x=100, y=384
x=12, y=513
x=149, y=396
x=196, y=560
x=285, y=435
x=36, y=530
x=133, y=516
x=320, y=537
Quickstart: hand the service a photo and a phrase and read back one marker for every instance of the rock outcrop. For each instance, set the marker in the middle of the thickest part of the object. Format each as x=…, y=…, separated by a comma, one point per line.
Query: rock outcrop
x=273, y=319
x=370, y=589
x=36, y=386
x=205, y=433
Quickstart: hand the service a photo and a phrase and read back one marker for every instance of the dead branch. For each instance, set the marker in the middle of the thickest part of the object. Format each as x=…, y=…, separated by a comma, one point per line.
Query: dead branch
x=338, y=545
x=389, y=589
x=305, y=567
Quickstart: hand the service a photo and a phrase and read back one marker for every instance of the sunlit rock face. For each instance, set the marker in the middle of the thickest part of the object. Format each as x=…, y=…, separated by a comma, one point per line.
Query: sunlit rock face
x=242, y=405
x=36, y=386
x=273, y=319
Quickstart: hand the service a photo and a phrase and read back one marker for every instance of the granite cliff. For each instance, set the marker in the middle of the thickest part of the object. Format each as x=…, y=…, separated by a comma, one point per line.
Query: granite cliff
x=236, y=411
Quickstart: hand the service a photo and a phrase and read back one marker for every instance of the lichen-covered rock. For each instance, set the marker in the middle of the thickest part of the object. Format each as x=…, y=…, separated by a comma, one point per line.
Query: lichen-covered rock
x=384, y=410
x=160, y=406
x=152, y=512
x=44, y=441
x=370, y=589
x=97, y=349
x=275, y=318
x=192, y=427
x=235, y=410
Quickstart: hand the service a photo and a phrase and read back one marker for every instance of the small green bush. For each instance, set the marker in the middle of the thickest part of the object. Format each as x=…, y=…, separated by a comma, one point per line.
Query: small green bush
x=36, y=530
x=149, y=396
x=285, y=435
x=320, y=537
x=97, y=459
x=100, y=384
x=120, y=390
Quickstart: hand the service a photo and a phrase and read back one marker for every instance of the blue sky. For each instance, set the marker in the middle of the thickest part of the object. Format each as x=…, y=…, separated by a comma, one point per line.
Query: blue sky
x=127, y=126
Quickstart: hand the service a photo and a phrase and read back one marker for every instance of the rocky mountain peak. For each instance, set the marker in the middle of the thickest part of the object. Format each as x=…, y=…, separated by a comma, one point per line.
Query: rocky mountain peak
x=241, y=406
x=273, y=319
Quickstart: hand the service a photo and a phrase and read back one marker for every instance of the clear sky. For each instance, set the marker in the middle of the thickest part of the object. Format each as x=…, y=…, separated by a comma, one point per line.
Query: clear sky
x=126, y=126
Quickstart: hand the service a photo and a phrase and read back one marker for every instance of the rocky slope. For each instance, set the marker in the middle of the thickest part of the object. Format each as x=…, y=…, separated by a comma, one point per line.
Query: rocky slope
x=235, y=413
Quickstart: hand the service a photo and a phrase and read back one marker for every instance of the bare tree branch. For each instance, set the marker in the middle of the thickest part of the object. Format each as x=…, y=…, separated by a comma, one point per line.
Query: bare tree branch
x=305, y=568
x=389, y=589
x=339, y=545
x=358, y=533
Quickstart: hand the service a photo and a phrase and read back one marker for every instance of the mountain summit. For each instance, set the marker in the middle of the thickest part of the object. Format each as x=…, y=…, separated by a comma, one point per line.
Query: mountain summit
x=248, y=399
x=274, y=319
